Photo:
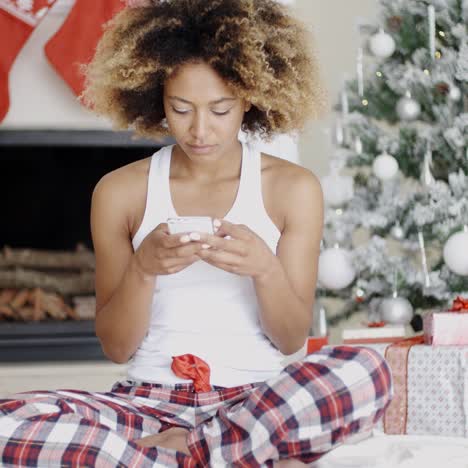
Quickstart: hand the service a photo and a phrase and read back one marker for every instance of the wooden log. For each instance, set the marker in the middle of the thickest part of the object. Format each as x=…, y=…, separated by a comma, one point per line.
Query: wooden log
x=35, y=298
x=81, y=259
x=7, y=295
x=85, y=307
x=65, y=284
x=54, y=306
x=20, y=299
x=6, y=312
x=71, y=312
x=25, y=313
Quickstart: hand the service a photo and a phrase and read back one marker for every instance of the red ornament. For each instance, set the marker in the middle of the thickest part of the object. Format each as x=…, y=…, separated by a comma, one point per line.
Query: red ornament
x=376, y=324
x=460, y=305
x=188, y=366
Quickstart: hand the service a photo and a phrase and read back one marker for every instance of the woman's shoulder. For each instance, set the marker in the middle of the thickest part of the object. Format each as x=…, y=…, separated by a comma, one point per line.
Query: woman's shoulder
x=289, y=177
x=125, y=180
x=123, y=191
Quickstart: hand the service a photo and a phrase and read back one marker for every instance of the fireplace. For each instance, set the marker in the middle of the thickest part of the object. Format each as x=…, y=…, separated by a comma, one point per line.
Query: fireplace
x=46, y=256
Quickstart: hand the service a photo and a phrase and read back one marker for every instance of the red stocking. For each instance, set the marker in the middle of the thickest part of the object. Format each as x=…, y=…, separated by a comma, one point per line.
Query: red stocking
x=18, y=18
x=75, y=42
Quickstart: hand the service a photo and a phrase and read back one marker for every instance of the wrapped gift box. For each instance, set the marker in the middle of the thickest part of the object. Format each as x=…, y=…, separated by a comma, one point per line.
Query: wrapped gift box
x=380, y=334
x=430, y=389
x=448, y=327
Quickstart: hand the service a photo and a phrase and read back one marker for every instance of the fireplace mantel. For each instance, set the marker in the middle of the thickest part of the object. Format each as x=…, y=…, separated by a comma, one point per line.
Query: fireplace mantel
x=95, y=138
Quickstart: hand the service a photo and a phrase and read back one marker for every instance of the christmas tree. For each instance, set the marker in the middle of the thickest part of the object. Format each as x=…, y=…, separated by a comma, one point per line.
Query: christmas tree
x=396, y=222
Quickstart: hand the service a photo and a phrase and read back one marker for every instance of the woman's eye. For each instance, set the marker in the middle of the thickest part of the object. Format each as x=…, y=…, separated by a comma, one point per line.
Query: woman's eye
x=180, y=111
x=221, y=113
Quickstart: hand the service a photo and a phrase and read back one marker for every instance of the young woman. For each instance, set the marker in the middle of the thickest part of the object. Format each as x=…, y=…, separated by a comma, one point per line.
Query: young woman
x=206, y=320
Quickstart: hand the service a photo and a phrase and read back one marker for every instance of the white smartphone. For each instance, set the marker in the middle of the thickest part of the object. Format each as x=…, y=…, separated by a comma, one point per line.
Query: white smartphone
x=190, y=224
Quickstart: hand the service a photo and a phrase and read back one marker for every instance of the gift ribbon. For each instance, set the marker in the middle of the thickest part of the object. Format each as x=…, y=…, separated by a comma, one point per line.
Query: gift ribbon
x=188, y=366
x=460, y=305
x=396, y=355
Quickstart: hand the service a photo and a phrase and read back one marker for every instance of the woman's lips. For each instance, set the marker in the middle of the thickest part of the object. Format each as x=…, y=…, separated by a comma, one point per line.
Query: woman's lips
x=201, y=148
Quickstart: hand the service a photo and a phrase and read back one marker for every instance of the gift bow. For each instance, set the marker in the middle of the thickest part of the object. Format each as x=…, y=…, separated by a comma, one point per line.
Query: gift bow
x=188, y=366
x=460, y=305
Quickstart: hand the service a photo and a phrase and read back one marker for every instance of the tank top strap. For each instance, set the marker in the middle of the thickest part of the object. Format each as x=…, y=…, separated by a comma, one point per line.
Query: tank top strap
x=158, y=203
x=251, y=195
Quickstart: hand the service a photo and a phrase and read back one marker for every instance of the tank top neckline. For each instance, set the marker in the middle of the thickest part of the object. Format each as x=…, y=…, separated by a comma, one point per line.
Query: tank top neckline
x=240, y=190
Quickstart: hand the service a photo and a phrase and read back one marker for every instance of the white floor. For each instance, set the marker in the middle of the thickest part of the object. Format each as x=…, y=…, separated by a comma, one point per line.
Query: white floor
x=395, y=451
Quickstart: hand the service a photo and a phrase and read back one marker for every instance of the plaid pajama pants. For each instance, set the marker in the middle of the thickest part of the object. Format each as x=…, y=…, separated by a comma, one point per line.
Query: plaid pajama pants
x=311, y=407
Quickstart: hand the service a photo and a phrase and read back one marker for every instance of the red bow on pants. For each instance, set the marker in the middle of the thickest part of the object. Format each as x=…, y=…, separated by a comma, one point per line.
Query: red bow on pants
x=188, y=366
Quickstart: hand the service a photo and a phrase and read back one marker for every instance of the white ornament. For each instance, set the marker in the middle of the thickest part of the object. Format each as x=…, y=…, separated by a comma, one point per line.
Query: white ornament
x=335, y=269
x=337, y=189
x=319, y=323
x=382, y=44
x=385, y=166
x=358, y=145
x=455, y=93
x=396, y=310
x=456, y=253
x=407, y=108
x=397, y=232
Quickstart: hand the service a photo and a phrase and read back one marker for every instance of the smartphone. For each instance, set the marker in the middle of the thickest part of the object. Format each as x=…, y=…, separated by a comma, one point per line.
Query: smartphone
x=190, y=224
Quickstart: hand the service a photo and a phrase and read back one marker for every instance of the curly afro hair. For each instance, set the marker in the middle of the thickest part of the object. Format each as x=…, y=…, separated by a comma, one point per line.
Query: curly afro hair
x=256, y=46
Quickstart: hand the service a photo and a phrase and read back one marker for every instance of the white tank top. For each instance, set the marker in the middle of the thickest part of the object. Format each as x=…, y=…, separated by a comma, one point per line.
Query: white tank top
x=204, y=310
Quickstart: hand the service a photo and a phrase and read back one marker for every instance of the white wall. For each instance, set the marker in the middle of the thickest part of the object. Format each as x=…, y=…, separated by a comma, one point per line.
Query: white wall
x=40, y=99
x=334, y=26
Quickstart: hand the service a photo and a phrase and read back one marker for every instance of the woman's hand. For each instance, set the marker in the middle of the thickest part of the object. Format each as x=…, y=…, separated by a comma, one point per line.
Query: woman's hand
x=237, y=249
x=162, y=253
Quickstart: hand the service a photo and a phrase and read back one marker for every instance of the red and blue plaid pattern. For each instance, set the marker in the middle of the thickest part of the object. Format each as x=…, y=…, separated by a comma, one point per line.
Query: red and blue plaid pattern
x=311, y=407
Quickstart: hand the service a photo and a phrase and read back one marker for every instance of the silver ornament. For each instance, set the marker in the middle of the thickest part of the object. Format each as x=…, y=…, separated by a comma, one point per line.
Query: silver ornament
x=359, y=294
x=455, y=245
x=426, y=178
x=382, y=44
x=407, y=108
x=396, y=310
x=319, y=325
x=385, y=166
x=455, y=94
x=397, y=232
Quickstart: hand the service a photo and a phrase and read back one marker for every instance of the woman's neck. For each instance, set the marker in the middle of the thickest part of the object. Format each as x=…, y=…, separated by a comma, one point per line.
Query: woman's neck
x=226, y=164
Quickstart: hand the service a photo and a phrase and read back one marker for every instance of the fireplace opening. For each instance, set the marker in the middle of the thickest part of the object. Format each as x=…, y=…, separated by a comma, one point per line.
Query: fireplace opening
x=46, y=193
x=46, y=255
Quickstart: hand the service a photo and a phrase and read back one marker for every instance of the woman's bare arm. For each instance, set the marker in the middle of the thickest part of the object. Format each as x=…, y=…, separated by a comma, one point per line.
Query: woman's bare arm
x=123, y=292
x=125, y=280
x=286, y=292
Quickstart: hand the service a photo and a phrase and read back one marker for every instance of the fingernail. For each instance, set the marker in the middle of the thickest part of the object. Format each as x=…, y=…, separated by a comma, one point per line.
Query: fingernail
x=216, y=223
x=205, y=246
x=195, y=236
x=228, y=237
x=185, y=239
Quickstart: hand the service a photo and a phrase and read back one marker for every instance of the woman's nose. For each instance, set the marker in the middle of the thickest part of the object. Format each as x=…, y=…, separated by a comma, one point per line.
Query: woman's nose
x=199, y=126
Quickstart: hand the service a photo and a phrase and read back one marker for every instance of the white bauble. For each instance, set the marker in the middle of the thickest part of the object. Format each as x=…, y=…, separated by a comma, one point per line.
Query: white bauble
x=382, y=44
x=455, y=93
x=385, y=166
x=335, y=269
x=337, y=189
x=408, y=109
x=319, y=323
x=397, y=232
x=396, y=310
x=456, y=253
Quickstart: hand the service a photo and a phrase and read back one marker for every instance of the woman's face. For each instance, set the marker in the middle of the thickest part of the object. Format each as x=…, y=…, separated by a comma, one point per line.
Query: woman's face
x=202, y=113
